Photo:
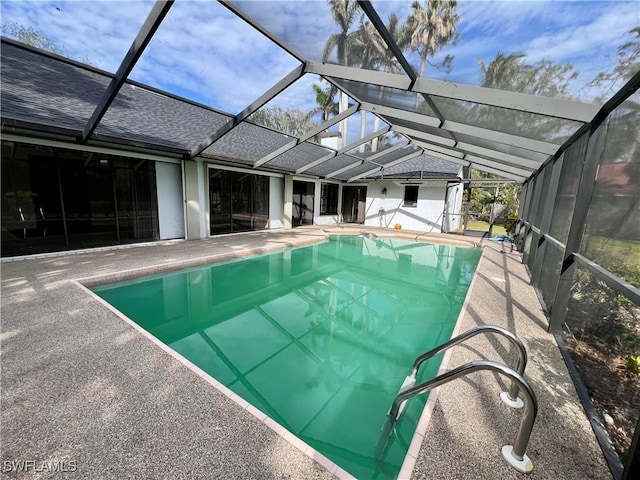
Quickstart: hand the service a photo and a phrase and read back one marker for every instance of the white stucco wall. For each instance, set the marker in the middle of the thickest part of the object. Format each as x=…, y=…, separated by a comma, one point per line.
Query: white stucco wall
x=426, y=216
x=276, y=202
x=170, y=200
x=317, y=218
x=195, y=207
x=454, y=208
x=325, y=219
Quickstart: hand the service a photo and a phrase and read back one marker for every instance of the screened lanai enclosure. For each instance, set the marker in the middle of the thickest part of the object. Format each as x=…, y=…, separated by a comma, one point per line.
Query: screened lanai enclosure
x=129, y=122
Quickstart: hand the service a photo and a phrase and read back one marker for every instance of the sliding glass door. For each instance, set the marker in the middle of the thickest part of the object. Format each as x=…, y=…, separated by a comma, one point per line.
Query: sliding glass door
x=239, y=202
x=55, y=199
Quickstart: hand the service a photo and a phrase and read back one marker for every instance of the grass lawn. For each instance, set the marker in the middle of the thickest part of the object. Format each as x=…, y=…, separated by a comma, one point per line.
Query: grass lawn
x=480, y=226
x=626, y=251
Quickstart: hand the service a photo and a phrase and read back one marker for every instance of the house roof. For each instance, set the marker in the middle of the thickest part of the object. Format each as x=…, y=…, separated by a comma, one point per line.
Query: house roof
x=437, y=126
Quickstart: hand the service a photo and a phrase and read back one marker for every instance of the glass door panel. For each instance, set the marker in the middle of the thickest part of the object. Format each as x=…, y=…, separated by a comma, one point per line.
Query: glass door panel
x=303, y=198
x=89, y=202
x=260, y=202
x=31, y=213
x=241, y=202
x=220, y=201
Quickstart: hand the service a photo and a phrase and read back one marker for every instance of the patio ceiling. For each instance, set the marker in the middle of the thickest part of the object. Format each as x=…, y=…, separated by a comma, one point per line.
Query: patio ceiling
x=505, y=133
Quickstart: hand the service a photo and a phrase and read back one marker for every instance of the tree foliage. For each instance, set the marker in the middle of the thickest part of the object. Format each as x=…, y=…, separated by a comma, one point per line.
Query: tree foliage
x=511, y=72
x=430, y=27
x=482, y=198
x=30, y=36
x=325, y=98
x=291, y=121
x=344, y=14
x=627, y=65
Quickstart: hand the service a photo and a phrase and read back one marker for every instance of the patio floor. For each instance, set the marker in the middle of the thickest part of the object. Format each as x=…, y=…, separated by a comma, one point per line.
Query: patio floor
x=79, y=384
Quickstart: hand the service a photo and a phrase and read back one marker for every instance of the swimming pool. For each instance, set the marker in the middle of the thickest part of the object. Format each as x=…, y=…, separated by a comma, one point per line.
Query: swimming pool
x=319, y=338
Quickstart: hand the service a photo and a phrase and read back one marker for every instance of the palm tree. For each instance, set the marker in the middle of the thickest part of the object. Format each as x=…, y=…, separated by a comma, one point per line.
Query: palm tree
x=512, y=73
x=366, y=51
x=343, y=13
x=505, y=72
x=431, y=27
x=389, y=63
x=325, y=98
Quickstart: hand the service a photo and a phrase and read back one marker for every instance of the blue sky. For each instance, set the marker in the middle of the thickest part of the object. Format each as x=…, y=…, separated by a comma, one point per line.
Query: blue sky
x=204, y=52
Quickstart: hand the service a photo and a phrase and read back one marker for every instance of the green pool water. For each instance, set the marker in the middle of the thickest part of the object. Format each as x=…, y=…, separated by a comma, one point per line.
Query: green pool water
x=319, y=338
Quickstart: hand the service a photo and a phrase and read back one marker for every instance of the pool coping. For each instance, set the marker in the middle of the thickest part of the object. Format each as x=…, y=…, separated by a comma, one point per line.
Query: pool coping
x=411, y=456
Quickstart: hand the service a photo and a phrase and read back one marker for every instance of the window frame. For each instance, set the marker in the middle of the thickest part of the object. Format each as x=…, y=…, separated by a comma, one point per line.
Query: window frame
x=409, y=202
x=327, y=201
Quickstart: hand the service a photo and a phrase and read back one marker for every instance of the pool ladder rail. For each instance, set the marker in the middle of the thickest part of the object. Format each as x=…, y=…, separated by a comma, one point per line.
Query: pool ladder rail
x=514, y=454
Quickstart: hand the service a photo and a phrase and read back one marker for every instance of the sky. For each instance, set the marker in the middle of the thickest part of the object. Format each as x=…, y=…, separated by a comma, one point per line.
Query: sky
x=204, y=52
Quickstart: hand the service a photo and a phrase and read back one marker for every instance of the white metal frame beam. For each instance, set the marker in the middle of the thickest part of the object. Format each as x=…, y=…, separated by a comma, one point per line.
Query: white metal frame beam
x=522, y=102
x=383, y=167
x=438, y=148
x=495, y=171
x=499, y=166
x=320, y=128
x=386, y=151
x=448, y=158
x=449, y=126
x=427, y=137
x=344, y=169
x=526, y=143
x=502, y=157
x=425, y=140
x=232, y=123
x=363, y=140
x=144, y=36
x=317, y=162
x=344, y=150
x=415, y=117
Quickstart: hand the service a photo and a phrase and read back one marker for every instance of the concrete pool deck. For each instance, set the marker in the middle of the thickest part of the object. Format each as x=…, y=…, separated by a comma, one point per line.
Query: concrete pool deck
x=81, y=387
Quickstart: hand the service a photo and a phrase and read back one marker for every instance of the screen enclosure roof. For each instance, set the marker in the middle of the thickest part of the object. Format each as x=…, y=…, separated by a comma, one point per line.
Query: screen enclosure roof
x=255, y=58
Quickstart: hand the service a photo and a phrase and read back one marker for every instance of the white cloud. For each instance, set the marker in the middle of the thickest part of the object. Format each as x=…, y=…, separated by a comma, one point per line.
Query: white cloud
x=101, y=32
x=585, y=33
x=204, y=52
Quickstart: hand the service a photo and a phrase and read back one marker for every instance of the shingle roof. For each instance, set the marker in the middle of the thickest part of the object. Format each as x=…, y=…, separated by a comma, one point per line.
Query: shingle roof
x=422, y=166
x=41, y=89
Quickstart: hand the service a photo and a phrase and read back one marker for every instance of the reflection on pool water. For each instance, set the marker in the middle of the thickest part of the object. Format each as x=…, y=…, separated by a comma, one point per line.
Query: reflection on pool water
x=319, y=338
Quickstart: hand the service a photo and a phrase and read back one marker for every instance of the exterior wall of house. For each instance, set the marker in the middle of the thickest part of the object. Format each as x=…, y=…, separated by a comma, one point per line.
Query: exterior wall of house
x=194, y=209
x=453, y=217
x=59, y=197
x=276, y=202
x=178, y=204
x=318, y=219
x=170, y=200
x=332, y=219
x=388, y=209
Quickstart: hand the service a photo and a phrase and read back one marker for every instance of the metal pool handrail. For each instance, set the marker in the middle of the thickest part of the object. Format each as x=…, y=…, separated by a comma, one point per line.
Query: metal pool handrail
x=513, y=454
x=510, y=397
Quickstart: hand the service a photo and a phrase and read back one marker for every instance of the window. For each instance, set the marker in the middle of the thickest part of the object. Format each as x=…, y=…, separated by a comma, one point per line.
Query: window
x=238, y=202
x=329, y=199
x=55, y=199
x=410, y=196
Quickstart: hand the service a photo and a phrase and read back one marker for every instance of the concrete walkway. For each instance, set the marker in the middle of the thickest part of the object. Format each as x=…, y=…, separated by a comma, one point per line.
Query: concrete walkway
x=82, y=388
